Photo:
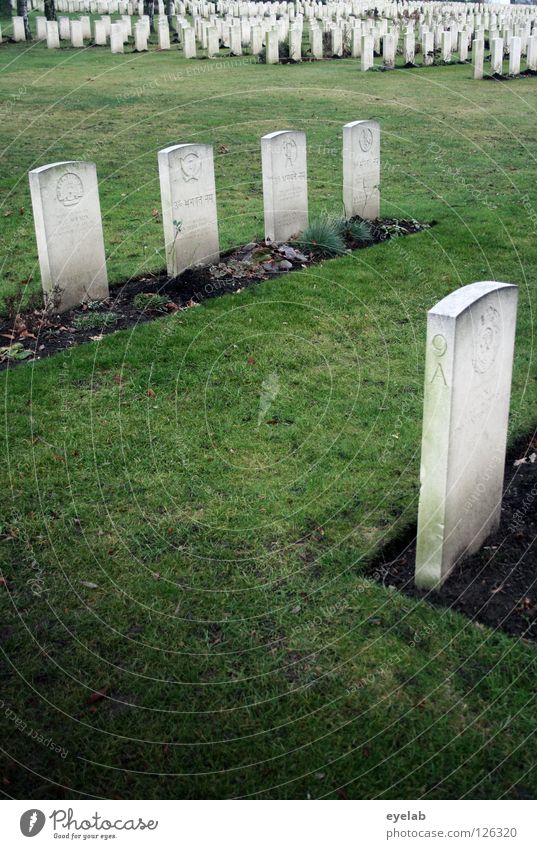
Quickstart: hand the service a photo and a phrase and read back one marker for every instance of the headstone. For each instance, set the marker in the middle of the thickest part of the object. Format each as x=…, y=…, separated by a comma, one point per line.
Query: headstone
x=515, y=48
x=189, y=43
x=18, y=28
x=361, y=169
x=295, y=44
x=428, y=48
x=446, y=46
x=100, y=33
x=409, y=48
x=76, y=34
x=470, y=341
x=69, y=233
x=41, y=27
x=316, y=43
x=213, y=43
x=532, y=53
x=388, y=51
x=478, y=53
x=336, y=42
x=188, y=196
x=285, y=184
x=272, y=51
x=65, y=29
x=53, y=35
x=163, y=35
x=367, y=58
x=140, y=37
x=463, y=46
x=116, y=37
x=496, y=56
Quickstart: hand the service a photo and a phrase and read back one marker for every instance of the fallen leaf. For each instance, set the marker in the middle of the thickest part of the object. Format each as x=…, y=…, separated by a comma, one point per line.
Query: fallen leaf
x=250, y=361
x=118, y=379
x=3, y=582
x=90, y=585
x=97, y=696
x=151, y=393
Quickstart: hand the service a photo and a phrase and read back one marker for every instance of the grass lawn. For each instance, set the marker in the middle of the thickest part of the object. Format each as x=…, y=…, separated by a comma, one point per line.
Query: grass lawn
x=201, y=567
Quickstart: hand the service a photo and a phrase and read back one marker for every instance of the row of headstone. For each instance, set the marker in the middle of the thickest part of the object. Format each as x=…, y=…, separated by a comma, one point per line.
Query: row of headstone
x=65, y=201
x=444, y=30
x=118, y=33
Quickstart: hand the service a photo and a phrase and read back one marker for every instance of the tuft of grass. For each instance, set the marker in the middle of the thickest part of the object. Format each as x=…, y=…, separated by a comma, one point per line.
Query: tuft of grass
x=95, y=320
x=322, y=237
x=150, y=301
x=355, y=230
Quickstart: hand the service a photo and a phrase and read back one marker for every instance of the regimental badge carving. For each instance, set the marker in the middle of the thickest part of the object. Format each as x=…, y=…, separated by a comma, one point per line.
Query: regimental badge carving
x=365, y=139
x=290, y=151
x=486, y=340
x=191, y=167
x=69, y=189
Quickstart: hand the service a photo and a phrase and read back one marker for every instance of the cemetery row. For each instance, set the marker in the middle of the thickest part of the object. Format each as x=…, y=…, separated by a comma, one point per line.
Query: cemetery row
x=437, y=31
x=470, y=333
x=69, y=232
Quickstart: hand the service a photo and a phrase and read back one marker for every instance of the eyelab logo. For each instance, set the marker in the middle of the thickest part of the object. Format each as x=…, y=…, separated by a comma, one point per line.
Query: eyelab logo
x=32, y=822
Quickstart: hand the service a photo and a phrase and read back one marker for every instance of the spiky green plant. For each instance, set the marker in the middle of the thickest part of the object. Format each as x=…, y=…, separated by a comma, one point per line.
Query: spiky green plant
x=357, y=230
x=322, y=237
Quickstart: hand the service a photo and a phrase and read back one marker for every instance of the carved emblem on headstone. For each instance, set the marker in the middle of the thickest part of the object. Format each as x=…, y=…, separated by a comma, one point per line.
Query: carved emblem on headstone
x=487, y=340
x=366, y=139
x=290, y=151
x=191, y=167
x=69, y=189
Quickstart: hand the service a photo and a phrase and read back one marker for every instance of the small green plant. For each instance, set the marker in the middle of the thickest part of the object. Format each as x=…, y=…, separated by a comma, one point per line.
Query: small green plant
x=150, y=301
x=262, y=56
x=283, y=48
x=97, y=320
x=356, y=230
x=322, y=237
x=14, y=352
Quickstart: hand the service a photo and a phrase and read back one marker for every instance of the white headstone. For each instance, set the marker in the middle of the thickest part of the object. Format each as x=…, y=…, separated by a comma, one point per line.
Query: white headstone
x=285, y=184
x=470, y=341
x=53, y=35
x=367, y=58
x=116, y=37
x=496, y=56
x=188, y=196
x=515, y=49
x=41, y=27
x=140, y=36
x=478, y=54
x=18, y=28
x=69, y=233
x=189, y=43
x=77, y=39
x=361, y=169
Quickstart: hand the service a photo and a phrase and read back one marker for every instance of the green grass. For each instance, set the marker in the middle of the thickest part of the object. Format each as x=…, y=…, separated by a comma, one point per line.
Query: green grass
x=199, y=549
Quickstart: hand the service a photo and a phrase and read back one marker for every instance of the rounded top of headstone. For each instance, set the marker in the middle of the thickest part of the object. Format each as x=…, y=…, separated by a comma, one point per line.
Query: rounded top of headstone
x=79, y=163
x=457, y=302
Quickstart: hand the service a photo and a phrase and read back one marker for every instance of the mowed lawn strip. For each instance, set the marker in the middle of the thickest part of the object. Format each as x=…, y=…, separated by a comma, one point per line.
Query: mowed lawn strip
x=190, y=505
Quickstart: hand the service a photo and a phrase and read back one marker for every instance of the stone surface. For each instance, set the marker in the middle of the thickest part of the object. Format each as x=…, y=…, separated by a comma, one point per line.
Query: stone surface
x=69, y=233
x=53, y=35
x=285, y=184
x=188, y=196
x=469, y=358
x=361, y=169
x=478, y=54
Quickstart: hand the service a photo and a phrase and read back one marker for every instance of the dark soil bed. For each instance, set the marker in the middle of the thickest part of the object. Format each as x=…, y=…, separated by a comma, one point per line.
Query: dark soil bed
x=34, y=334
x=497, y=586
